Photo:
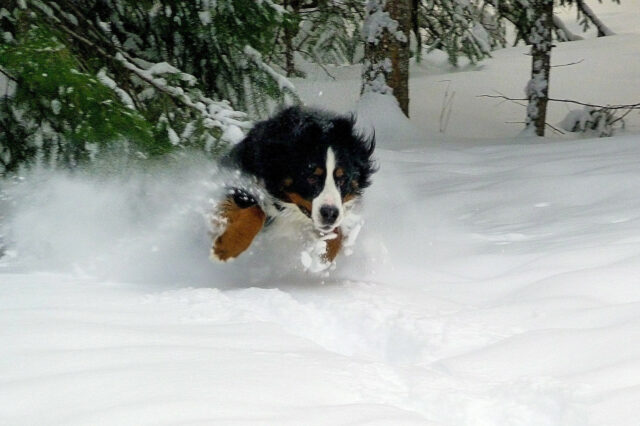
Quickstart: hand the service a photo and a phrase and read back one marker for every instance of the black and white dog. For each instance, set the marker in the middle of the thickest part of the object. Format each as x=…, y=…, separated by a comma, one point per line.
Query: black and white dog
x=309, y=165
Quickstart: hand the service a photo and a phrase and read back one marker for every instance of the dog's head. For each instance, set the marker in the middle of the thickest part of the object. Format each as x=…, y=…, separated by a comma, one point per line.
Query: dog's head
x=312, y=159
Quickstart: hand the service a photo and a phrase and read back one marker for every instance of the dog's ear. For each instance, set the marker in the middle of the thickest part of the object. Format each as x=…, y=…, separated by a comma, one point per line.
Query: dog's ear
x=342, y=128
x=359, y=146
x=367, y=164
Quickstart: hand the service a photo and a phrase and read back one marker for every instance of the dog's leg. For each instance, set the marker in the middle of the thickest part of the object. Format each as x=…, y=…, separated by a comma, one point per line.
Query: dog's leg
x=333, y=246
x=241, y=224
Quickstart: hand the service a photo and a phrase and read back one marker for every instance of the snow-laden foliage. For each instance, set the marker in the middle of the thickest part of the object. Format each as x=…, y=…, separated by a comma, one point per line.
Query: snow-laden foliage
x=136, y=76
x=586, y=17
x=458, y=27
x=592, y=121
x=332, y=31
x=60, y=114
x=521, y=14
x=328, y=31
x=386, y=33
x=377, y=29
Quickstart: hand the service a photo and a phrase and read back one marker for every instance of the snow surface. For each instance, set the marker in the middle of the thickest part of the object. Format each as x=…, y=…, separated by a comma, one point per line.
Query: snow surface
x=494, y=282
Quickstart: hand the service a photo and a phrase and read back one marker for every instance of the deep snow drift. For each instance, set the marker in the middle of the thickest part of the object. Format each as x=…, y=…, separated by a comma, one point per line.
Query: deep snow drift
x=493, y=283
x=490, y=285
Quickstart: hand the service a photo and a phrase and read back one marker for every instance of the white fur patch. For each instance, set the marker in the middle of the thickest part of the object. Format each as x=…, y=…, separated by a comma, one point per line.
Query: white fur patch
x=329, y=196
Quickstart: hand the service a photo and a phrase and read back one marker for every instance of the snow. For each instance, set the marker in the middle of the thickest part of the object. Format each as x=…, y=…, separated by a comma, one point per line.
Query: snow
x=173, y=136
x=377, y=21
x=381, y=113
x=232, y=134
x=215, y=114
x=501, y=289
x=56, y=106
x=494, y=280
x=7, y=87
x=108, y=81
x=283, y=82
x=205, y=17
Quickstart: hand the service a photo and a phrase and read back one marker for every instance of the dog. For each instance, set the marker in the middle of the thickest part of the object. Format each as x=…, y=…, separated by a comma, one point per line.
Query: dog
x=307, y=165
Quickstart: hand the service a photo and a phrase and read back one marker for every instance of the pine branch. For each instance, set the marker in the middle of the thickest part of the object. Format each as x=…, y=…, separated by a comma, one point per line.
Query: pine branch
x=9, y=76
x=304, y=52
x=561, y=26
x=176, y=94
x=603, y=30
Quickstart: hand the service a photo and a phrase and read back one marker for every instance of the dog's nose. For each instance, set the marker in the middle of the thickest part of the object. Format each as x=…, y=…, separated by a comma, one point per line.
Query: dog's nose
x=329, y=214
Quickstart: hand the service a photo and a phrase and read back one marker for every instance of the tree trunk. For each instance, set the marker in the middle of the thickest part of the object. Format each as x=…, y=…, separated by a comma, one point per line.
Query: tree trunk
x=415, y=27
x=386, y=65
x=537, y=90
x=290, y=31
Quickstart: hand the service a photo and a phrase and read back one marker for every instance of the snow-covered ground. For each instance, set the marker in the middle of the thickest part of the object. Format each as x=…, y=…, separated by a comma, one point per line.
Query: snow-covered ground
x=496, y=280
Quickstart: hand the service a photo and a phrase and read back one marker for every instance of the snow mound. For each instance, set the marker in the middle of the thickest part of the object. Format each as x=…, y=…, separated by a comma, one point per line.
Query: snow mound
x=380, y=114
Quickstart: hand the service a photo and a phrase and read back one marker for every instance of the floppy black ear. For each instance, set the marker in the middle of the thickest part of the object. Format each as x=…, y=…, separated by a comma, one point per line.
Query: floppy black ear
x=358, y=145
x=342, y=127
x=367, y=164
x=363, y=147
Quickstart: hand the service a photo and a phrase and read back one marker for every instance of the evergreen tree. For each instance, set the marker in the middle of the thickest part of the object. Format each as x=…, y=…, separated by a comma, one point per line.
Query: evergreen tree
x=458, y=28
x=321, y=31
x=137, y=76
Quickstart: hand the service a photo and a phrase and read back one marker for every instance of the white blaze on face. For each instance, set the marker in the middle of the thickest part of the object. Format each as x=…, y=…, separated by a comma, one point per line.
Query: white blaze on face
x=329, y=197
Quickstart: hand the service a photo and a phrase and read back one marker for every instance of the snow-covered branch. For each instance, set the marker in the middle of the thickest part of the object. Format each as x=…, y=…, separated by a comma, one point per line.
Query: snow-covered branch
x=564, y=33
x=584, y=8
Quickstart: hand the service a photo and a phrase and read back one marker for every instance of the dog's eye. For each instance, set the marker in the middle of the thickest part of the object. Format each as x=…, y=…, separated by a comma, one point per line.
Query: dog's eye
x=312, y=179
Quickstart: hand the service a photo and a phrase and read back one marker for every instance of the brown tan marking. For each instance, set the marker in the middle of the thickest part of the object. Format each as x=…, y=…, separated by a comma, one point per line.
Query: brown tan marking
x=288, y=181
x=333, y=246
x=241, y=228
x=348, y=198
x=339, y=172
x=297, y=199
x=319, y=171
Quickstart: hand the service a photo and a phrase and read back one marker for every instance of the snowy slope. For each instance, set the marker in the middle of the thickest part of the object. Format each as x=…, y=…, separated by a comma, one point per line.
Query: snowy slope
x=495, y=282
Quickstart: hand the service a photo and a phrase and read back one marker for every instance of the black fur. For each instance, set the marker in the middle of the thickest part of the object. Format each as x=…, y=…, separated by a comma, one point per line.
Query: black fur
x=283, y=152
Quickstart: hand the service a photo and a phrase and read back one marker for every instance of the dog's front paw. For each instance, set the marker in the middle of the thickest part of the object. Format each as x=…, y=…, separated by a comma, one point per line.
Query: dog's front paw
x=221, y=253
x=241, y=225
x=314, y=257
x=218, y=225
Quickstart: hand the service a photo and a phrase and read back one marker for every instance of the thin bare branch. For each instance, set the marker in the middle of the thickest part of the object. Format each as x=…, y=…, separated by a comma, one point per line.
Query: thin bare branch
x=569, y=64
x=569, y=101
x=546, y=124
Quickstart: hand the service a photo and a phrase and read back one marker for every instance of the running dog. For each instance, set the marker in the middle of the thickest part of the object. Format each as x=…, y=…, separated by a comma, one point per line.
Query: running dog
x=309, y=165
